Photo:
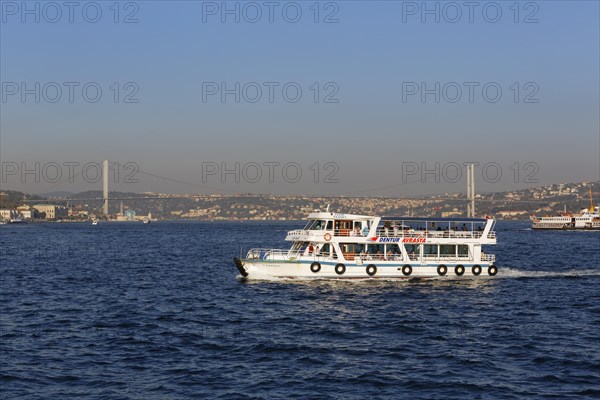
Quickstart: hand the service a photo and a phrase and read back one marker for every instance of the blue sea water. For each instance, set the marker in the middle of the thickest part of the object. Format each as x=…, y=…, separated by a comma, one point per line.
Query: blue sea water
x=134, y=311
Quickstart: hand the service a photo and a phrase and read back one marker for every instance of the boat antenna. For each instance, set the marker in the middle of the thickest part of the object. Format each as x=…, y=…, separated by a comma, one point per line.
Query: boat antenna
x=327, y=209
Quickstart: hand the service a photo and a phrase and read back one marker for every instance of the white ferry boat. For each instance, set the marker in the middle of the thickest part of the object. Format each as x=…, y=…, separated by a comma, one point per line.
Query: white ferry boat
x=586, y=219
x=347, y=246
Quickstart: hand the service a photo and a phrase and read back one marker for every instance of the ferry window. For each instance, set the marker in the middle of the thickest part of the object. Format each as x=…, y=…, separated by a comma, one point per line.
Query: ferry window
x=447, y=250
x=309, y=225
x=316, y=225
x=375, y=248
x=463, y=250
x=392, y=249
x=329, y=225
x=300, y=245
x=430, y=250
x=413, y=249
x=343, y=228
x=326, y=250
x=351, y=248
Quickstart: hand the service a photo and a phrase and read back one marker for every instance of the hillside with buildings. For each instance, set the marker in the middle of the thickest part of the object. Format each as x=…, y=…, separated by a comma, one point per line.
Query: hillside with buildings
x=519, y=204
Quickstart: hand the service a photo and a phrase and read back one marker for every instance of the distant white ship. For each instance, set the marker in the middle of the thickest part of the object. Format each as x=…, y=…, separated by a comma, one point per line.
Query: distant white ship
x=148, y=219
x=586, y=219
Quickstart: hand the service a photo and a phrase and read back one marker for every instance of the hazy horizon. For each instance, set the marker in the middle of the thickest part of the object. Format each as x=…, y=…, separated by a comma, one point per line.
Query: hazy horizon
x=386, y=87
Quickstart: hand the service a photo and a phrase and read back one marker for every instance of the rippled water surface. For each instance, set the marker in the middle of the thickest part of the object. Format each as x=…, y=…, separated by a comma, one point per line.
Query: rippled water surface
x=134, y=311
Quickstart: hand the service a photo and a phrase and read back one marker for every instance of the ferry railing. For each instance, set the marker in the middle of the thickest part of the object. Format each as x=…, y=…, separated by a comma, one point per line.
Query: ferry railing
x=334, y=232
x=272, y=254
x=296, y=232
x=402, y=233
x=322, y=232
x=366, y=257
x=382, y=232
x=446, y=258
x=488, y=257
x=286, y=255
x=349, y=233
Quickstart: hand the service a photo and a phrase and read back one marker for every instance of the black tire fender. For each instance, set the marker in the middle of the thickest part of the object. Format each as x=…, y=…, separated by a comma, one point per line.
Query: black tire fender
x=371, y=269
x=442, y=270
x=406, y=270
x=315, y=267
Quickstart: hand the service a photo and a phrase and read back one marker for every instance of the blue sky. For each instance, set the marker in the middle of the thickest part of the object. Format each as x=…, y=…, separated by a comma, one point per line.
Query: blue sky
x=370, y=57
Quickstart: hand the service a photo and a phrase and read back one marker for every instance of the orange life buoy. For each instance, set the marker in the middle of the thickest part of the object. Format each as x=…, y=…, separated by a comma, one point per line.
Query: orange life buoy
x=327, y=237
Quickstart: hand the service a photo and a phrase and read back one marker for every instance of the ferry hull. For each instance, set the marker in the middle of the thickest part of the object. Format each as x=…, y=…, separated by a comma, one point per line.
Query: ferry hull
x=566, y=228
x=261, y=270
x=540, y=225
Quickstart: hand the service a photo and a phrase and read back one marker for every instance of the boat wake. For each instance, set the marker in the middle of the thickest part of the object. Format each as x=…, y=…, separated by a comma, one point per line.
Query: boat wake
x=521, y=273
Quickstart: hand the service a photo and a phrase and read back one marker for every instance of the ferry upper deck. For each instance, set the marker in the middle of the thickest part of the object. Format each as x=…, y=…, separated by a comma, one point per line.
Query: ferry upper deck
x=326, y=226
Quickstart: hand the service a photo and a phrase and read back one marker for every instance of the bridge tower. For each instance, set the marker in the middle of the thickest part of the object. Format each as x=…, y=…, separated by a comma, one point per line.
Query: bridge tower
x=105, y=187
x=471, y=191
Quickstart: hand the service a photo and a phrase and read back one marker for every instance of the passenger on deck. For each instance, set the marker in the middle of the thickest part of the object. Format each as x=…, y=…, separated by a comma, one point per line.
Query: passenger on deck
x=365, y=231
